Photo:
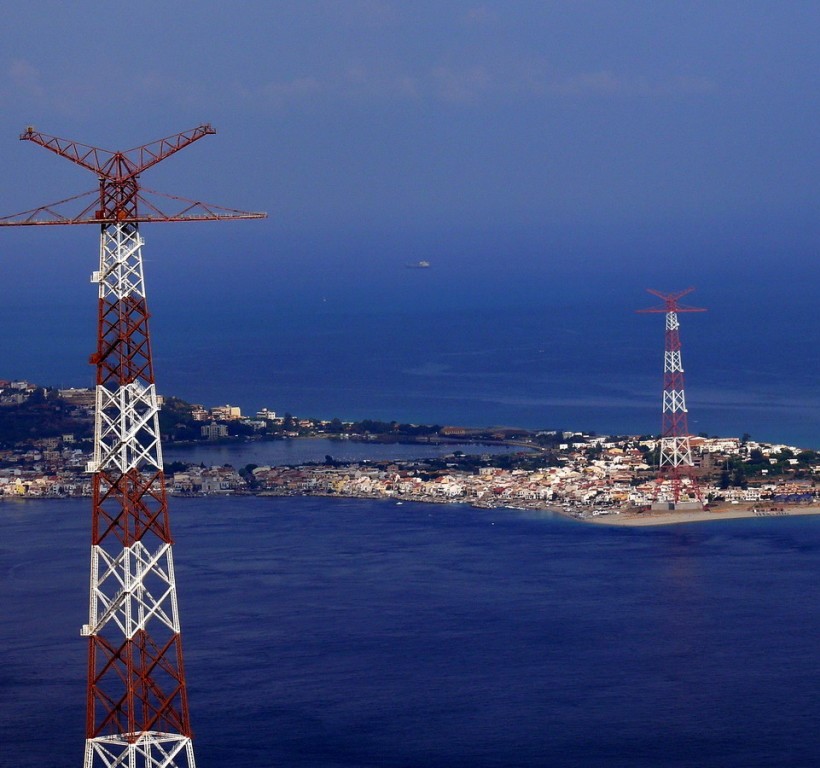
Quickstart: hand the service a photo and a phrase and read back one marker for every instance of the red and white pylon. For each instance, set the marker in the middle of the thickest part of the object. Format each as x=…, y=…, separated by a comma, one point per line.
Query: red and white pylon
x=137, y=705
x=676, y=475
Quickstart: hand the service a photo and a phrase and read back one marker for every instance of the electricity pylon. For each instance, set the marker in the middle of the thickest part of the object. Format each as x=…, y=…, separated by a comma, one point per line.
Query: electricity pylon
x=675, y=465
x=137, y=704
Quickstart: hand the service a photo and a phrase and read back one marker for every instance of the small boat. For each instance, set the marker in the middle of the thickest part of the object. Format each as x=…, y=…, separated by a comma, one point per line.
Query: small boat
x=419, y=265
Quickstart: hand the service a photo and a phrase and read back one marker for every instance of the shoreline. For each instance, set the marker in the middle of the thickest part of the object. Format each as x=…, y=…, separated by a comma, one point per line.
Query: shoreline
x=628, y=519
x=614, y=518
x=647, y=519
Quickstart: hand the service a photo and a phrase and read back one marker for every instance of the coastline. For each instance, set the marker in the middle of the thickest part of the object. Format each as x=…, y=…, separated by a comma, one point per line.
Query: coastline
x=645, y=519
x=613, y=518
x=622, y=519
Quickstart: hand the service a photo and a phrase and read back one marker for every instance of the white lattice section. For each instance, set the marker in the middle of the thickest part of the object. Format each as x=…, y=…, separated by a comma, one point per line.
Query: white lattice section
x=676, y=452
x=126, y=428
x=150, y=750
x=120, y=272
x=672, y=323
x=674, y=400
x=120, y=589
x=672, y=362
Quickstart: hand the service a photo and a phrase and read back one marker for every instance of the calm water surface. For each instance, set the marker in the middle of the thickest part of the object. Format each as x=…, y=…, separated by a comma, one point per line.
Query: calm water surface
x=305, y=450
x=341, y=633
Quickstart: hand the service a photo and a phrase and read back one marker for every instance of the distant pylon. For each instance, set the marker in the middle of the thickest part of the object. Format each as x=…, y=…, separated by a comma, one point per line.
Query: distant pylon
x=137, y=704
x=675, y=466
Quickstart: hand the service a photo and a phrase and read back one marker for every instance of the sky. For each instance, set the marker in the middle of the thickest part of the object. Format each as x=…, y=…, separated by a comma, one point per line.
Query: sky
x=531, y=150
x=427, y=116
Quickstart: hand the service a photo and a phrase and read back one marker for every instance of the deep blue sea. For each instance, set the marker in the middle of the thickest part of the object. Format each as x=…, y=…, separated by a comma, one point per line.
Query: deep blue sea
x=536, y=330
x=349, y=634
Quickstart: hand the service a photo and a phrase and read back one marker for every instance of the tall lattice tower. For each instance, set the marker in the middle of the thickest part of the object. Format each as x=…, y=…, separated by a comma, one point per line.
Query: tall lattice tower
x=137, y=705
x=675, y=466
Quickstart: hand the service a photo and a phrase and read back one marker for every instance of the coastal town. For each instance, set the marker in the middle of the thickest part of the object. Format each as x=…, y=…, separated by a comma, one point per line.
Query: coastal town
x=582, y=474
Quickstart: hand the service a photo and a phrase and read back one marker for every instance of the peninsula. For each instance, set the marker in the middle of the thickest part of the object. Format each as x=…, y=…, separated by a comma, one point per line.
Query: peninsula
x=45, y=443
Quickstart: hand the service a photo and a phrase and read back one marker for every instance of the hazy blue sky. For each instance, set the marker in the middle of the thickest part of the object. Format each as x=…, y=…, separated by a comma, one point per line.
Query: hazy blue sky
x=422, y=116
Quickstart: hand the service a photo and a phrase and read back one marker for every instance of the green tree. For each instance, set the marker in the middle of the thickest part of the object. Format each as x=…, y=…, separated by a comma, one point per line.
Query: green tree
x=808, y=457
x=739, y=478
x=336, y=427
x=238, y=429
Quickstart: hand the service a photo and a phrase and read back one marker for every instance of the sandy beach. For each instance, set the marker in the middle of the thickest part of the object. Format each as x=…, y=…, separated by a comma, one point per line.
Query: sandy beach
x=690, y=516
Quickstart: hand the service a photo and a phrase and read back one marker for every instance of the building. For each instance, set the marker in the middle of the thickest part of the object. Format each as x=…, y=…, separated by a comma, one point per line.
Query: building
x=226, y=412
x=214, y=431
x=84, y=398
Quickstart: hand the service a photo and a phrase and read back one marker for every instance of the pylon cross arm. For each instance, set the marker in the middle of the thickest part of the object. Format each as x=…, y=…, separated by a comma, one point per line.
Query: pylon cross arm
x=120, y=195
x=112, y=165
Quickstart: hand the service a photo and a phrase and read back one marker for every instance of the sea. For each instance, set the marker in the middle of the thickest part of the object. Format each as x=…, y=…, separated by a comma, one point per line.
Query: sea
x=296, y=451
x=531, y=328
x=333, y=633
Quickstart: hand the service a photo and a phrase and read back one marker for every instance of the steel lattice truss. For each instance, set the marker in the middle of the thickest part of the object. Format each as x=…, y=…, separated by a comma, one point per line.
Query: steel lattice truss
x=120, y=196
x=137, y=703
x=151, y=749
x=676, y=476
x=137, y=706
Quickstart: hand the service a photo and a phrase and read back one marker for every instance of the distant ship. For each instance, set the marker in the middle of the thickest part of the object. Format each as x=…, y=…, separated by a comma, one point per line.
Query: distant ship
x=419, y=265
